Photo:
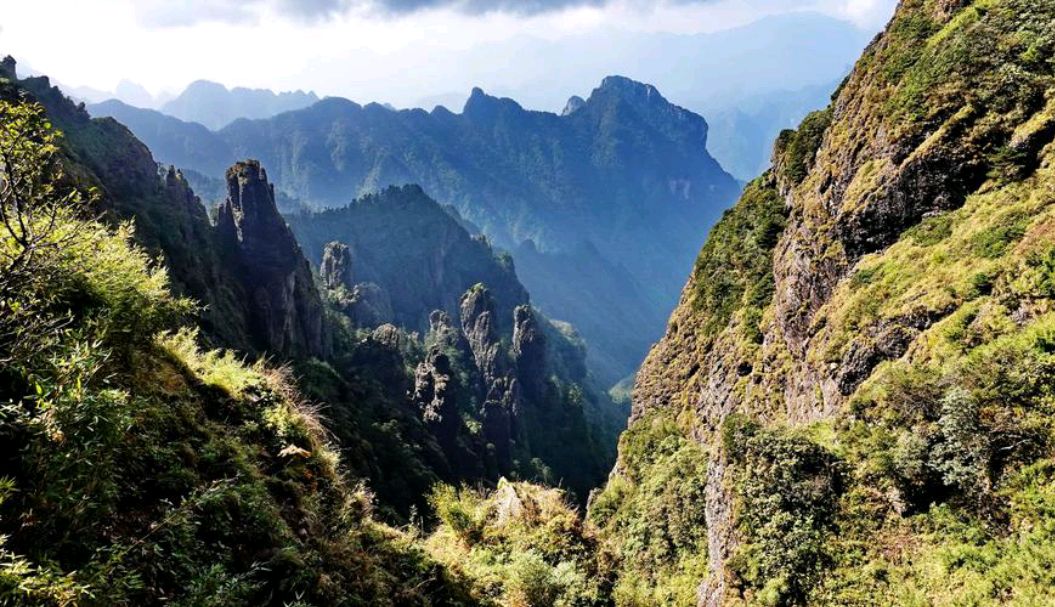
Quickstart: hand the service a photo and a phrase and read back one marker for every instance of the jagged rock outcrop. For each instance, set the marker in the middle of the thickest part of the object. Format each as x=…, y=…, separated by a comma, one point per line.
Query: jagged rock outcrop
x=499, y=388
x=477, y=314
x=529, y=353
x=435, y=396
x=285, y=310
x=336, y=269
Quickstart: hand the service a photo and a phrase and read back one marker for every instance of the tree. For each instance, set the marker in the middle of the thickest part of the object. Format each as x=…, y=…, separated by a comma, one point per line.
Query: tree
x=33, y=201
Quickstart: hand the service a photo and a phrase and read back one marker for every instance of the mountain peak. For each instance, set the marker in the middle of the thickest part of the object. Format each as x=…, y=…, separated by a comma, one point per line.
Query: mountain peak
x=288, y=313
x=574, y=103
x=8, y=68
x=205, y=85
x=477, y=99
x=480, y=104
x=629, y=89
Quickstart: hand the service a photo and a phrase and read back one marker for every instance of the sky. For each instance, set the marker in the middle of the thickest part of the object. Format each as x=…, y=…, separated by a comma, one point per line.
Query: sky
x=400, y=51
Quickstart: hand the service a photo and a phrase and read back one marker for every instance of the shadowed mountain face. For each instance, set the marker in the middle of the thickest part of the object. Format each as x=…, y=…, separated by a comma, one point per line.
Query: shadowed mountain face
x=624, y=175
x=405, y=243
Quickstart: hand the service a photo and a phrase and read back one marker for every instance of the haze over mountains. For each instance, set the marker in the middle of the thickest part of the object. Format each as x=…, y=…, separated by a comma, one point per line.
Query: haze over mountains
x=716, y=74
x=215, y=106
x=601, y=207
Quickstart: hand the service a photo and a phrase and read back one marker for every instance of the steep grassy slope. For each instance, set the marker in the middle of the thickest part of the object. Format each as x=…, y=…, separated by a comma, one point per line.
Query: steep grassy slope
x=140, y=470
x=862, y=353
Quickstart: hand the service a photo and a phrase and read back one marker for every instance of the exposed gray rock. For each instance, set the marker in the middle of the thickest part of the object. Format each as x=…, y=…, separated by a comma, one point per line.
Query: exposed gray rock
x=286, y=313
x=336, y=268
x=434, y=395
x=529, y=353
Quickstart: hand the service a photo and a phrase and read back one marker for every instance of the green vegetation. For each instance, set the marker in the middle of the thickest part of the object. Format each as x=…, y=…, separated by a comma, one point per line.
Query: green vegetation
x=652, y=515
x=875, y=425
x=796, y=149
x=886, y=433
x=734, y=269
x=788, y=489
x=520, y=546
x=138, y=468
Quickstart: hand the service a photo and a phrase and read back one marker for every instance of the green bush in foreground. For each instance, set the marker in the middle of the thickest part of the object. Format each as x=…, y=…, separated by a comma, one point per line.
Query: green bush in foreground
x=519, y=546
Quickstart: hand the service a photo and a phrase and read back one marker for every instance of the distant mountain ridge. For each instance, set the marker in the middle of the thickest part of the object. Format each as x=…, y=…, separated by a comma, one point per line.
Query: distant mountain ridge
x=742, y=134
x=625, y=177
x=215, y=106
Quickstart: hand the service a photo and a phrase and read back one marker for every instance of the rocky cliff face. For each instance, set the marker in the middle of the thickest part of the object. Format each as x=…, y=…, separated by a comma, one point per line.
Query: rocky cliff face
x=408, y=256
x=286, y=311
x=832, y=291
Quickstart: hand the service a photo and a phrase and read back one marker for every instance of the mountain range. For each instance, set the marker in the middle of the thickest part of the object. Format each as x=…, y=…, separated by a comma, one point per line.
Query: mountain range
x=852, y=404
x=215, y=106
x=714, y=74
x=599, y=206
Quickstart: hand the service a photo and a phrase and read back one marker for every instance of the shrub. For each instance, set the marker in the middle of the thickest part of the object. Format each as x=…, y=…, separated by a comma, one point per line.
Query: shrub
x=788, y=490
x=796, y=150
x=520, y=545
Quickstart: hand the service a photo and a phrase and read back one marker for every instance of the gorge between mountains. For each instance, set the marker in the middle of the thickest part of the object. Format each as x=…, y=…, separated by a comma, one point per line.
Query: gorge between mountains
x=601, y=207
x=320, y=353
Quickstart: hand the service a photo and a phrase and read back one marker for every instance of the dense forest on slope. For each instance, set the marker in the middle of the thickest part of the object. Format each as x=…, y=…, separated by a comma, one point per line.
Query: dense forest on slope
x=602, y=207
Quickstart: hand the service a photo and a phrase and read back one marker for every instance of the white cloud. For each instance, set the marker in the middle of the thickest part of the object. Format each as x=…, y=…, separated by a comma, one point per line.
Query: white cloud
x=352, y=52
x=868, y=13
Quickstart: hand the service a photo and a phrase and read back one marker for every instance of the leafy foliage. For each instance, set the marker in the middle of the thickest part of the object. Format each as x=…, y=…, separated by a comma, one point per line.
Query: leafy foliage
x=519, y=546
x=789, y=489
x=795, y=149
x=652, y=515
